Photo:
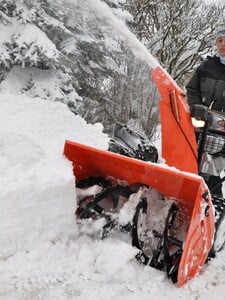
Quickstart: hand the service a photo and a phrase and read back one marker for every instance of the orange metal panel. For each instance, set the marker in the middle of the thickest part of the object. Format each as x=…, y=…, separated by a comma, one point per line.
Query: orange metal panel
x=179, y=147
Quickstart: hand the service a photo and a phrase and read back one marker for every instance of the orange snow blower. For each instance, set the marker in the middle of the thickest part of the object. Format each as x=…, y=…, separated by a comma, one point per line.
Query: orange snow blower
x=183, y=242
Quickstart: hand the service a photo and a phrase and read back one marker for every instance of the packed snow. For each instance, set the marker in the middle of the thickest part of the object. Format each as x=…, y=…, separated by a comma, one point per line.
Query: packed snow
x=43, y=252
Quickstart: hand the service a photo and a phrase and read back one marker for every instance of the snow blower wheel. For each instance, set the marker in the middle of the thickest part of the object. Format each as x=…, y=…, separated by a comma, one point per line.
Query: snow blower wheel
x=219, y=239
x=152, y=234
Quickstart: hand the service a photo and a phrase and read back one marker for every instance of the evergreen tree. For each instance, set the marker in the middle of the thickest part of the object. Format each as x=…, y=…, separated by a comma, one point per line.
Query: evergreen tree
x=69, y=51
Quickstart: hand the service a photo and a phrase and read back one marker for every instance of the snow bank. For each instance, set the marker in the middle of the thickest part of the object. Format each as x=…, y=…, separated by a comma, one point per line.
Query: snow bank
x=35, y=176
x=44, y=254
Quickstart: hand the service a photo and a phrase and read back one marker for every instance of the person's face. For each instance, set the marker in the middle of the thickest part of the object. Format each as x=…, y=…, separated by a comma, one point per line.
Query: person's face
x=220, y=43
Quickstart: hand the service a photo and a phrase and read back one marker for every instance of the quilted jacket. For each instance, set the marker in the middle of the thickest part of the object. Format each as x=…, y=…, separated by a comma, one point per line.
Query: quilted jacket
x=207, y=85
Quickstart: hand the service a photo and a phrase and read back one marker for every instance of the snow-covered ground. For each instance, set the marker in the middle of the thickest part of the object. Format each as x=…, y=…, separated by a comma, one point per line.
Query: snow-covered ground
x=43, y=254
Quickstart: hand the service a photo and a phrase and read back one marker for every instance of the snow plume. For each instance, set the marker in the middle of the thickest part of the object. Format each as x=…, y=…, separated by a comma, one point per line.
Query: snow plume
x=114, y=24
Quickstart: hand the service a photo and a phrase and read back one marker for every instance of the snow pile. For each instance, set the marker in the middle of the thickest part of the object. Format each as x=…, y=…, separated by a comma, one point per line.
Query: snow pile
x=37, y=185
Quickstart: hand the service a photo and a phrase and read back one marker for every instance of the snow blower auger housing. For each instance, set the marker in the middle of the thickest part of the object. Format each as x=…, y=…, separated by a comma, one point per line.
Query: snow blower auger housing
x=183, y=235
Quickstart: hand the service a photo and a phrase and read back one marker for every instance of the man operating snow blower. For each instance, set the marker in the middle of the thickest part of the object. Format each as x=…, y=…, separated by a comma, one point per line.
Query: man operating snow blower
x=207, y=88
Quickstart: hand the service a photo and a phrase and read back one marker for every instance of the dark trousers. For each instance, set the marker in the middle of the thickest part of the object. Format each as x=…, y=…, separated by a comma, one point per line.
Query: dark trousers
x=214, y=185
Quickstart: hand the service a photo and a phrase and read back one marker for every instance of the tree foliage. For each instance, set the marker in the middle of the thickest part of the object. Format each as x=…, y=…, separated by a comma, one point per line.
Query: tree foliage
x=28, y=52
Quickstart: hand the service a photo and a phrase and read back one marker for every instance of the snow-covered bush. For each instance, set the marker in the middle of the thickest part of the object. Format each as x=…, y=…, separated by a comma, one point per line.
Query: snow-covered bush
x=31, y=47
x=28, y=50
x=5, y=59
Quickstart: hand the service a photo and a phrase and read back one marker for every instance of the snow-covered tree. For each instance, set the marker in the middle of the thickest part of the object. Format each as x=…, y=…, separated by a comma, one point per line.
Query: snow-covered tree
x=28, y=53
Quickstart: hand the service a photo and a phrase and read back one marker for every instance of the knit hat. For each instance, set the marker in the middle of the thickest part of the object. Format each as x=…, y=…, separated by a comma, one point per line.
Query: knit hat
x=220, y=33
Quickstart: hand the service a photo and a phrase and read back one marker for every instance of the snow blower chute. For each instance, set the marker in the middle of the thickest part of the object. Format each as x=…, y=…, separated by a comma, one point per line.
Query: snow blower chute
x=173, y=222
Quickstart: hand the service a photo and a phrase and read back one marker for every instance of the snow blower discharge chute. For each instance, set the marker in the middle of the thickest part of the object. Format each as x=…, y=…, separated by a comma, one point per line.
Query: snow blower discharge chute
x=172, y=214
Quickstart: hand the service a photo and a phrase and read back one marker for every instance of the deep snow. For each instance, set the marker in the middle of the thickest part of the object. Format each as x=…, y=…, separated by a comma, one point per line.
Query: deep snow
x=43, y=253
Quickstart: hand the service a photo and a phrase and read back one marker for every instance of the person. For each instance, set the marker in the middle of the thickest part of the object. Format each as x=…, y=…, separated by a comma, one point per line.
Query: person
x=207, y=87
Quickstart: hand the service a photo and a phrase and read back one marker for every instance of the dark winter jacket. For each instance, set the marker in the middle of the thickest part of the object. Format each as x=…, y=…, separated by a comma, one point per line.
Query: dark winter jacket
x=207, y=85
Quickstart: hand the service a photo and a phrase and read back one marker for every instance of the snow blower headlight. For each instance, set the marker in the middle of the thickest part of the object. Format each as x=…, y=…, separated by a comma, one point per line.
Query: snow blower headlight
x=197, y=123
x=199, y=115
